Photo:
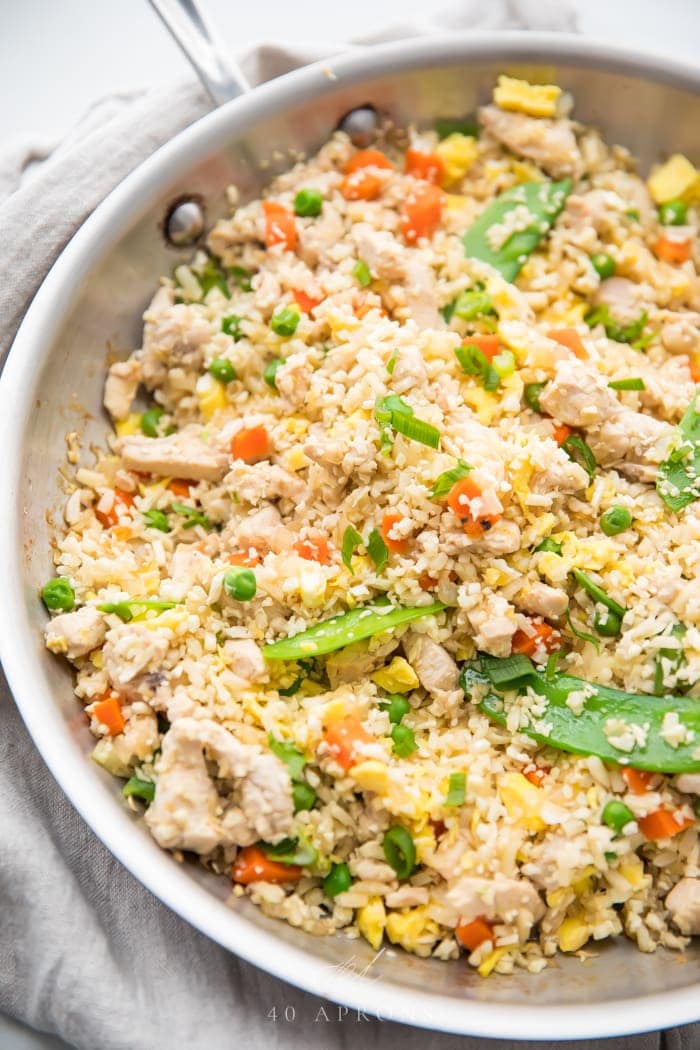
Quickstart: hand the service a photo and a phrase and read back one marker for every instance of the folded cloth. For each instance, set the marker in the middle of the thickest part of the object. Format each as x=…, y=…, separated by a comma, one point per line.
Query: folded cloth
x=86, y=952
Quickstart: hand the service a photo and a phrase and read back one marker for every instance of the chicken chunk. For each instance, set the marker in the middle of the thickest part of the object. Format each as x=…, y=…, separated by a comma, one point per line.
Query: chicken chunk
x=263, y=530
x=188, y=811
x=174, y=336
x=130, y=650
x=549, y=143
x=121, y=387
x=392, y=262
x=624, y=298
x=493, y=626
x=139, y=739
x=560, y=477
x=502, y=538
x=684, y=904
x=318, y=238
x=578, y=396
x=256, y=482
x=436, y=670
x=543, y=600
x=246, y=660
x=507, y=900
x=642, y=440
x=409, y=370
x=681, y=336
x=189, y=567
x=76, y=633
x=689, y=783
x=186, y=454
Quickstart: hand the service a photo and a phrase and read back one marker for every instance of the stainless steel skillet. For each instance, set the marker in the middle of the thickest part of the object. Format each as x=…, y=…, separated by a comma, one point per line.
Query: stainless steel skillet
x=96, y=292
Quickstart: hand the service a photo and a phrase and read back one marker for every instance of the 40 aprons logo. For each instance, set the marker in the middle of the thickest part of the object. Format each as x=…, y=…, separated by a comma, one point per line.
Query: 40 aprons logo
x=329, y=1012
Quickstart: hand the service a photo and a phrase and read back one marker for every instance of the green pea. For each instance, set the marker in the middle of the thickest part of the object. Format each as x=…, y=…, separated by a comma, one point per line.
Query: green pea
x=222, y=369
x=404, y=741
x=58, y=594
x=607, y=624
x=673, y=213
x=270, y=372
x=400, y=851
x=603, y=264
x=284, y=322
x=150, y=420
x=361, y=273
x=303, y=796
x=240, y=584
x=615, y=520
x=231, y=325
x=308, y=203
x=338, y=880
x=397, y=706
x=531, y=395
x=617, y=815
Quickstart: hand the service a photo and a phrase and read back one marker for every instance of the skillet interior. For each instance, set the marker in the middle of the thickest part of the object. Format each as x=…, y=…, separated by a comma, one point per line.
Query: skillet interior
x=53, y=384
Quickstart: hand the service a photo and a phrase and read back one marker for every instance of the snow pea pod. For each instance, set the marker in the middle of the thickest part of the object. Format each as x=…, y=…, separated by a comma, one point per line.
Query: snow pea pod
x=605, y=713
x=678, y=480
x=511, y=226
x=353, y=626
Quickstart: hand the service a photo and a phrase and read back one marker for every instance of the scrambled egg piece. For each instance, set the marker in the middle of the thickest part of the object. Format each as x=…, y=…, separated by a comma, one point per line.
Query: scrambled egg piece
x=128, y=426
x=397, y=677
x=211, y=395
x=522, y=800
x=371, y=775
x=371, y=920
x=573, y=934
x=407, y=926
x=485, y=968
x=676, y=178
x=536, y=100
x=457, y=153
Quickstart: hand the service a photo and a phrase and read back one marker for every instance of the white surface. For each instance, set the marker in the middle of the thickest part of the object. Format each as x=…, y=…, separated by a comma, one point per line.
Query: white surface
x=58, y=57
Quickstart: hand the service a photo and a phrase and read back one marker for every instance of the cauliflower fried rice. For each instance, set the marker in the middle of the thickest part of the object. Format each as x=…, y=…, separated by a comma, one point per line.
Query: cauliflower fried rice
x=439, y=393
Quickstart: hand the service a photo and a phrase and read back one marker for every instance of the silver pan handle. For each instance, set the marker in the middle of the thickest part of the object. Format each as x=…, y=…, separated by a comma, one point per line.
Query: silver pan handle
x=203, y=47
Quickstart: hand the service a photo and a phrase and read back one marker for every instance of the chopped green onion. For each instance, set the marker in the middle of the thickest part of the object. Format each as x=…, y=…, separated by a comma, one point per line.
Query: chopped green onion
x=391, y=363
x=156, y=519
x=615, y=520
x=628, y=333
x=504, y=364
x=456, y=125
x=474, y=362
x=396, y=706
x=596, y=592
x=303, y=796
x=531, y=396
x=457, y=789
x=308, y=203
x=338, y=880
x=603, y=264
x=361, y=273
x=231, y=325
x=240, y=584
x=193, y=516
x=444, y=482
x=617, y=816
x=673, y=213
x=448, y=310
x=222, y=369
x=509, y=672
x=297, y=851
x=404, y=742
x=393, y=413
x=473, y=303
x=634, y=383
x=270, y=371
x=337, y=632
x=583, y=635
x=400, y=851
x=549, y=545
x=579, y=452
x=212, y=276
x=291, y=690
x=149, y=421
x=125, y=609
x=240, y=277
x=284, y=321
x=143, y=789
x=377, y=550
x=58, y=594
x=351, y=541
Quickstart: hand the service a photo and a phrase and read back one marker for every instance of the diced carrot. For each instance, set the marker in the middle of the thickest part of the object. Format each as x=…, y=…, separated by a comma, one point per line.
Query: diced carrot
x=342, y=738
x=313, y=549
x=179, y=487
x=569, y=338
x=123, y=501
x=421, y=212
x=426, y=582
x=304, y=301
x=108, y=711
x=367, y=158
x=249, y=558
x=280, y=226
x=671, y=250
x=544, y=637
x=694, y=366
x=561, y=433
x=638, y=780
x=361, y=185
x=399, y=546
x=250, y=444
x=471, y=935
x=253, y=865
x=459, y=501
x=489, y=345
x=422, y=165
x=536, y=774
x=661, y=824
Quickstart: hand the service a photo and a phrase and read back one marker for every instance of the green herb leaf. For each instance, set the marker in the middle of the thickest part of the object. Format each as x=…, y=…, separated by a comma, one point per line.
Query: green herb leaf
x=377, y=550
x=578, y=451
x=457, y=789
x=444, y=482
x=351, y=541
x=678, y=480
x=353, y=626
x=542, y=200
x=193, y=516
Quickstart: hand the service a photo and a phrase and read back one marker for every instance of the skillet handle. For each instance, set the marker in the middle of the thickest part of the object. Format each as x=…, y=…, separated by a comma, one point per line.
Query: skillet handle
x=203, y=48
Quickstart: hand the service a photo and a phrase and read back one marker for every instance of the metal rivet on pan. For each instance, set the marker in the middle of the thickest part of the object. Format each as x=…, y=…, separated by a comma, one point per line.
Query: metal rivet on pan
x=184, y=222
x=360, y=125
